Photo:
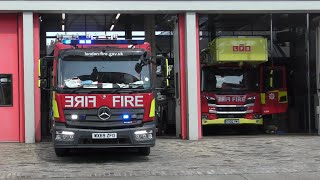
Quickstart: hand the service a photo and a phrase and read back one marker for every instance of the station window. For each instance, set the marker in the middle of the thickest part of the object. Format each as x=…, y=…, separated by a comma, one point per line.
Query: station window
x=6, y=98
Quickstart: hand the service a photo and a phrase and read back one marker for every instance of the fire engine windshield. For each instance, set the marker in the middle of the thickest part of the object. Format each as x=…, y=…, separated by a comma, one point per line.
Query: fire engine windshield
x=215, y=79
x=114, y=72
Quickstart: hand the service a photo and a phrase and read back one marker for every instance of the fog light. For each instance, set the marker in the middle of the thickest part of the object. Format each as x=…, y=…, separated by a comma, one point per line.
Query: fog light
x=64, y=136
x=204, y=116
x=257, y=116
x=143, y=135
x=74, y=117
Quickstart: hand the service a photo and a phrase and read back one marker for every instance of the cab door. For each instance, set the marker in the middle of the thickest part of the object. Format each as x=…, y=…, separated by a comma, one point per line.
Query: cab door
x=273, y=88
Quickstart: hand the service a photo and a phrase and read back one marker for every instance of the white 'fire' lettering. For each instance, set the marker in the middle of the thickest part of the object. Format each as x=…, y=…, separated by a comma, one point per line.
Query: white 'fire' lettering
x=139, y=101
x=127, y=101
x=80, y=101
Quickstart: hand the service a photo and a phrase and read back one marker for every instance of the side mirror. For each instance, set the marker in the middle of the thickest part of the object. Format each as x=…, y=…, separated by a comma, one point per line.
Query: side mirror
x=159, y=72
x=43, y=70
x=43, y=83
x=138, y=68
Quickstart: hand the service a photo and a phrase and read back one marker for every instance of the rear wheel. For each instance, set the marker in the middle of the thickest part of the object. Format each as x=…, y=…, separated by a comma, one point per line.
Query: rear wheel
x=144, y=151
x=61, y=152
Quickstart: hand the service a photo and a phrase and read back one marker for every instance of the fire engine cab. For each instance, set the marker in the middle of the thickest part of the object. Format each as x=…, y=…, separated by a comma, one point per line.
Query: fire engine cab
x=101, y=91
x=238, y=86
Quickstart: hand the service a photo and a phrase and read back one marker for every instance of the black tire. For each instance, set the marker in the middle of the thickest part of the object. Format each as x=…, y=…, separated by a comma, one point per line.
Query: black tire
x=144, y=151
x=61, y=152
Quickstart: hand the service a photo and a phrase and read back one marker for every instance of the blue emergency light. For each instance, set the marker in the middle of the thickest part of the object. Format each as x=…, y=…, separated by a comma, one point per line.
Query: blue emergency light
x=66, y=41
x=96, y=41
x=125, y=117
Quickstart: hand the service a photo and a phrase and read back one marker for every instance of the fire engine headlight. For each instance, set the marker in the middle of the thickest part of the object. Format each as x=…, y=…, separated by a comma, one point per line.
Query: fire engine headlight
x=74, y=116
x=143, y=135
x=204, y=116
x=250, y=101
x=257, y=116
x=211, y=100
x=64, y=136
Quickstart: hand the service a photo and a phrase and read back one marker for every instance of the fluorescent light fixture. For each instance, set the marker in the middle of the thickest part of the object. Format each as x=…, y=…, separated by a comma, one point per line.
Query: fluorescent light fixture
x=88, y=41
x=63, y=16
x=118, y=15
x=112, y=26
x=82, y=41
x=62, y=27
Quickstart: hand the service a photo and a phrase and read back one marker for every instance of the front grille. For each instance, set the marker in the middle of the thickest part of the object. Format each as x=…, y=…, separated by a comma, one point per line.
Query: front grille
x=231, y=115
x=88, y=118
x=91, y=114
x=104, y=141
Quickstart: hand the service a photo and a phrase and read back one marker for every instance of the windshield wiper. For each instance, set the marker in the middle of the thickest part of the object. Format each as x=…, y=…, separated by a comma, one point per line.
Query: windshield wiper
x=122, y=90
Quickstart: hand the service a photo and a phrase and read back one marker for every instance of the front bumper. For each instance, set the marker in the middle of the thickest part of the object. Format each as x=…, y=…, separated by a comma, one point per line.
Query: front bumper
x=240, y=121
x=82, y=138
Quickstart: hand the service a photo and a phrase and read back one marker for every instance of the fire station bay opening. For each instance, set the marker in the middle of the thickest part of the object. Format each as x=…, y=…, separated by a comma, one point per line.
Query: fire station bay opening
x=258, y=73
x=159, y=30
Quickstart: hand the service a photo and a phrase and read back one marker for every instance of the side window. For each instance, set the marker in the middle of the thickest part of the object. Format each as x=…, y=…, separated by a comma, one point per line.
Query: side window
x=6, y=98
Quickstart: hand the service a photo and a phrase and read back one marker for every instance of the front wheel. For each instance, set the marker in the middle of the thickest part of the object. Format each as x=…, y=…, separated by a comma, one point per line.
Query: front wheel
x=61, y=152
x=145, y=151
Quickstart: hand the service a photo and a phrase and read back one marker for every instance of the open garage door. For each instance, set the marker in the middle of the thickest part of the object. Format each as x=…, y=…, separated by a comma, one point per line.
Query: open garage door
x=160, y=30
x=273, y=48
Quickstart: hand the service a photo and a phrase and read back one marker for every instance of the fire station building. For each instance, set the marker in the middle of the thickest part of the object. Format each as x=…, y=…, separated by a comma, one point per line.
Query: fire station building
x=180, y=30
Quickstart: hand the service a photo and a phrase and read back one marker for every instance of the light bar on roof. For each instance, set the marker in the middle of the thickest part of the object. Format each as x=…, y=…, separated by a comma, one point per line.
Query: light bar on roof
x=89, y=41
x=66, y=41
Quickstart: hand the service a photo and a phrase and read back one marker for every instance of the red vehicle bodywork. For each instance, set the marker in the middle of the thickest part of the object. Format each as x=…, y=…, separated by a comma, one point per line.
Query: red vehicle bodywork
x=137, y=105
x=114, y=101
x=236, y=108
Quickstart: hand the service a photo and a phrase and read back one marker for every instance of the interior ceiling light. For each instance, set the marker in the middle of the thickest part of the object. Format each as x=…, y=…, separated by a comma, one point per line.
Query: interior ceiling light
x=62, y=27
x=112, y=26
x=63, y=16
x=118, y=15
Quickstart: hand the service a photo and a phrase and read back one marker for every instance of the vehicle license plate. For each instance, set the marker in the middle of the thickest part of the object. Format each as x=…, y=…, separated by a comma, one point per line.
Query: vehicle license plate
x=104, y=135
x=231, y=121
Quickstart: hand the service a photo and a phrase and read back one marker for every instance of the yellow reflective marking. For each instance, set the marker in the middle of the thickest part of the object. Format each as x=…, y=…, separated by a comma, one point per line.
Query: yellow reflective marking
x=152, y=108
x=263, y=98
x=241, y=121
x=55, y=106
x=39, y=67
x=281, y=94
x=39, y=73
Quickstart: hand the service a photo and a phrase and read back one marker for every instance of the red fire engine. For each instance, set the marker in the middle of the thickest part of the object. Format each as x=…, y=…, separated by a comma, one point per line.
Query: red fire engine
x=237, y=87
x=101, y=93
